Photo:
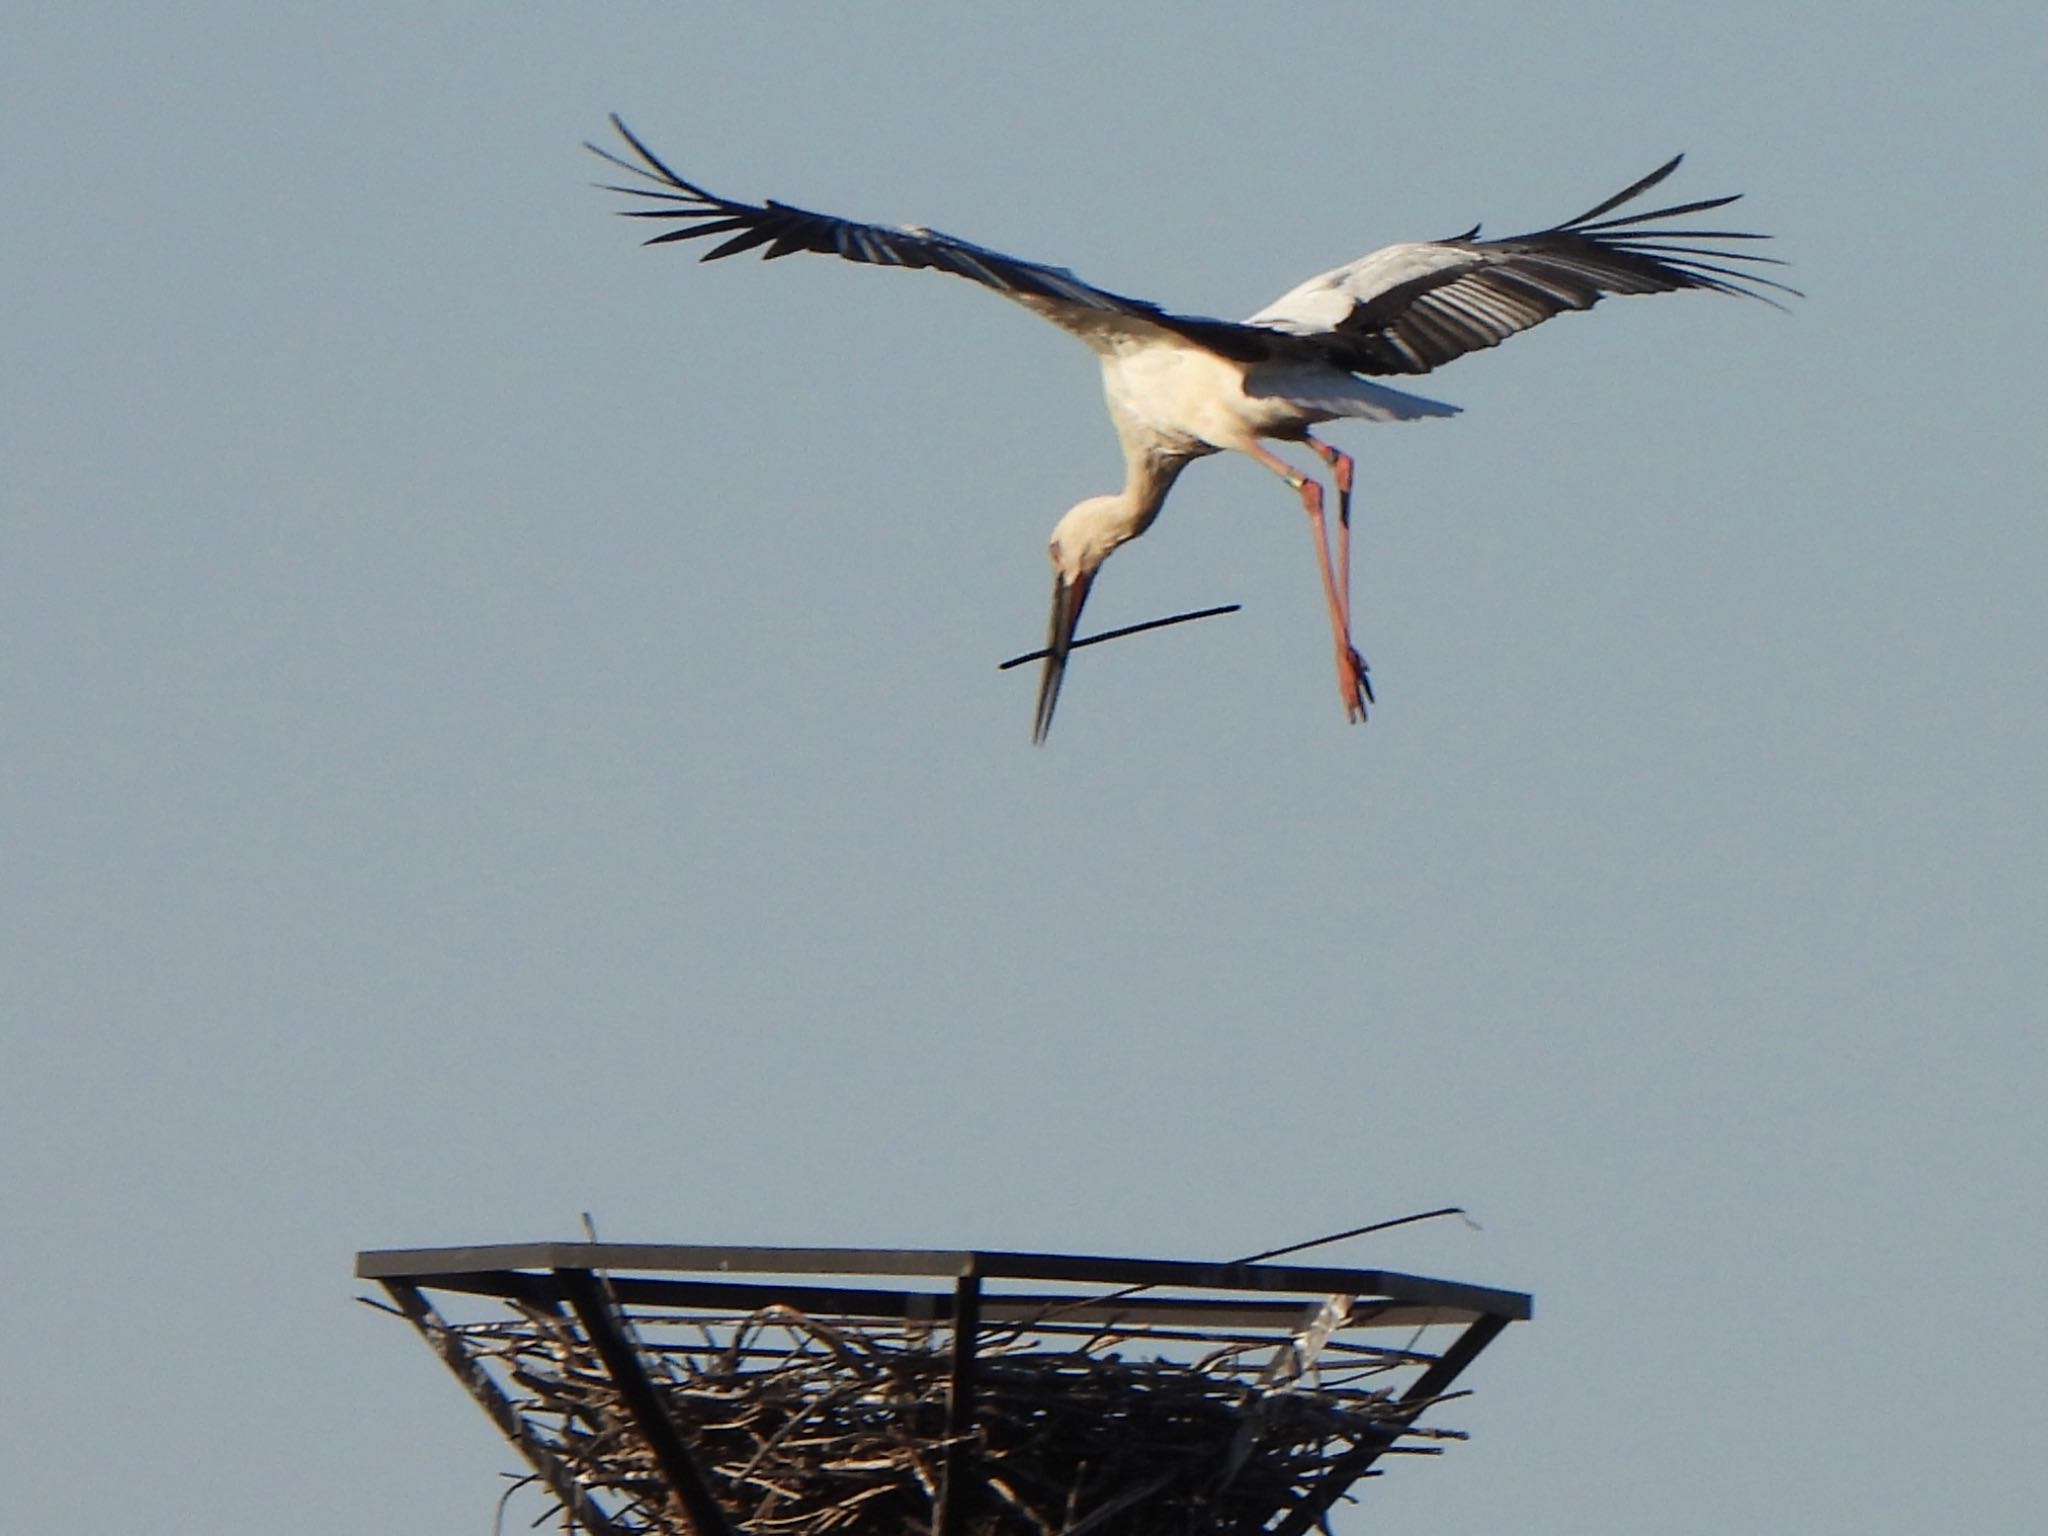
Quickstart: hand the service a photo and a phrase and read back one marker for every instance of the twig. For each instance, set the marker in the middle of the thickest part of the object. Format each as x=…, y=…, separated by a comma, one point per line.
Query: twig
x=1128, y=629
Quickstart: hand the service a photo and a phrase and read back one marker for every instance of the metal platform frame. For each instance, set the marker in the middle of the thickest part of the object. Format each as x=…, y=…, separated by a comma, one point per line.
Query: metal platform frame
x=965, y=1291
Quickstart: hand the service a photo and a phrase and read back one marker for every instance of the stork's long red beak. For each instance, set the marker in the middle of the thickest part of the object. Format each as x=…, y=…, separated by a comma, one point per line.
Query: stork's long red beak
x=1067, y=599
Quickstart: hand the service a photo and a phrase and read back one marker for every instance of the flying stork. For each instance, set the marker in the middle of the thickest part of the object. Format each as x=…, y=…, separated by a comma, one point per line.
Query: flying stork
x=1181, y=387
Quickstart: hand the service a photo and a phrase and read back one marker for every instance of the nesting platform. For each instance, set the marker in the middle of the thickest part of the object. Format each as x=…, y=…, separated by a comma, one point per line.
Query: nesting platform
x=701, y=1391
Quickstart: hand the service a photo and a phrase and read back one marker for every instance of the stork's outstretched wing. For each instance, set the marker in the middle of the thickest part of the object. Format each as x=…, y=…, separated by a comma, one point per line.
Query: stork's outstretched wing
x=1052, y=291
x=1411, y=308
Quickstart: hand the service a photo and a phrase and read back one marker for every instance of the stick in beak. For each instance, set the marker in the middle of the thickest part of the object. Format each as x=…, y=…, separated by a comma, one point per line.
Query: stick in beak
x=1127, y=629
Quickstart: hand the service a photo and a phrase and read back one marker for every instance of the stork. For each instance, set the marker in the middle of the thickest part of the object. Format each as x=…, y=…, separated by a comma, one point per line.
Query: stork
x=1181, y=387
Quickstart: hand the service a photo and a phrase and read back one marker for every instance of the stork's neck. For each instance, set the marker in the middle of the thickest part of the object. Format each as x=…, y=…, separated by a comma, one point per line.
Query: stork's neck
x=1148, y=475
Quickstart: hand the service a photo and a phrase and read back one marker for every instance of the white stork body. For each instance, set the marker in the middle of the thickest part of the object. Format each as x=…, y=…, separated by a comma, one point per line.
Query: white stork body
x=1172, y=401
x=1180, y=387
x=1194, y=401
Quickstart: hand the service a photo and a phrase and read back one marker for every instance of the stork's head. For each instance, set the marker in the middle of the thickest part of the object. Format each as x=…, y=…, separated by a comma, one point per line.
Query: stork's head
x=1081, y=541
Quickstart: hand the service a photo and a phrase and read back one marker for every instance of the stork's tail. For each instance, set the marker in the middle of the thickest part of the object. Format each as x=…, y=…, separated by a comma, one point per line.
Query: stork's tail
x=1363, y=400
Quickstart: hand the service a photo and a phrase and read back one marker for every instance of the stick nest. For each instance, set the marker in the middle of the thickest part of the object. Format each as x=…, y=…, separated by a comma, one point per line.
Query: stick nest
x=805, y=1428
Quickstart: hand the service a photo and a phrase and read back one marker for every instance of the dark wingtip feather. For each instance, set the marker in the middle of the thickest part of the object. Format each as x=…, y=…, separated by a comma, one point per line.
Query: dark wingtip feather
x=1634, y=190
x=1676, y=210
x=653, y=168
x=1678, y=255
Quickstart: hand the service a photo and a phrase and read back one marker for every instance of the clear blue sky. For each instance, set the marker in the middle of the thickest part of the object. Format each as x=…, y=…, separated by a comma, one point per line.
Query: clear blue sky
x=501, y=723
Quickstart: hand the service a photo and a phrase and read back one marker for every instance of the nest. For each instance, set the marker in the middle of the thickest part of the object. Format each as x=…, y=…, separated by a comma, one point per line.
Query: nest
x=809, y=1428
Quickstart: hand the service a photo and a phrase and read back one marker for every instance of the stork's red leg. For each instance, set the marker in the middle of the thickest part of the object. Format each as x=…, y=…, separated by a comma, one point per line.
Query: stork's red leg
x=1352, y=686
x=1341, y=466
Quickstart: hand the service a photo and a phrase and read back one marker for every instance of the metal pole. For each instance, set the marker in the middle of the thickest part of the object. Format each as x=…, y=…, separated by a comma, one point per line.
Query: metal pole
x=1354, y=1464
x=706, y=1516
x=446, y=1343
x=953, y=1491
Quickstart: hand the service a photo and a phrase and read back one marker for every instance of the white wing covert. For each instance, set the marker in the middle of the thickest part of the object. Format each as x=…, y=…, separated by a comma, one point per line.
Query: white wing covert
x=1413, y=307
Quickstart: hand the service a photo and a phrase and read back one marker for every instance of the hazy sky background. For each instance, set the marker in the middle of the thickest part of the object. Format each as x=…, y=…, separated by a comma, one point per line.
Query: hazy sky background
x=501, y=723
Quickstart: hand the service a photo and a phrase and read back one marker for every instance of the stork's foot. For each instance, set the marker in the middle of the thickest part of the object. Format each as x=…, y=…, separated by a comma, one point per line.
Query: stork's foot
x=1354, y=684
